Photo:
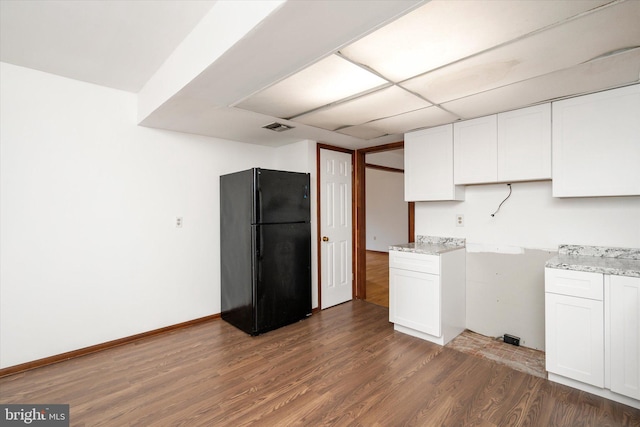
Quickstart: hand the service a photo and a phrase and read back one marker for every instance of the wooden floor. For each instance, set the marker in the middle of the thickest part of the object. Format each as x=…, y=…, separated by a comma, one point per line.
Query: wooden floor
x=342, y=366
x=378, y=278
x=519, y=358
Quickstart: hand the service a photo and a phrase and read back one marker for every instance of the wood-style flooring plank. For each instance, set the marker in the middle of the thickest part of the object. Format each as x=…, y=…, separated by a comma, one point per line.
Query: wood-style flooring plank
x=377, y=282
x=343, y=366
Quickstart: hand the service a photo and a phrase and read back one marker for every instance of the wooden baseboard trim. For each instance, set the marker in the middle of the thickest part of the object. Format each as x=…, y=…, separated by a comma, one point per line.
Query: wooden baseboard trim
x=100, y=347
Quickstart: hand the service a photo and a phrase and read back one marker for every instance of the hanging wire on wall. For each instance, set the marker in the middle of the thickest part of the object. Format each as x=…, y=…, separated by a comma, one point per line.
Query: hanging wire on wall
x=505, y=199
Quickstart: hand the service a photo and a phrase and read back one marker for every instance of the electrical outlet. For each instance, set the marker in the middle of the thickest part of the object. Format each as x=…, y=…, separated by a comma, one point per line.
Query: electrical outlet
x=178, y=222
x=511, y=339
x=459, y=220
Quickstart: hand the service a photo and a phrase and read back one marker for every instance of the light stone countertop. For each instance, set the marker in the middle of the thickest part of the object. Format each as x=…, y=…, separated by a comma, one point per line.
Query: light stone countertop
x=430, y=245
x=597, y=259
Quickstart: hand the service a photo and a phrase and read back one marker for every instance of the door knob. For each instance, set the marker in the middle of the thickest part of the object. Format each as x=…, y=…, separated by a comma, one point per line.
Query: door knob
x=325, y=239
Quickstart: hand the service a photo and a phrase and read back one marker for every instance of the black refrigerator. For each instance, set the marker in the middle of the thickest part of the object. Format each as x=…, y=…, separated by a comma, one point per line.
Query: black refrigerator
x=265, y=249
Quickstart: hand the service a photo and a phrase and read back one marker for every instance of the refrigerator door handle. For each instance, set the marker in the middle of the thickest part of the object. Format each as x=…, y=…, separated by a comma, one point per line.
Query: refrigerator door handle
x=258, y=243
x=257, y=197
x=258, y=207
x=258, y=254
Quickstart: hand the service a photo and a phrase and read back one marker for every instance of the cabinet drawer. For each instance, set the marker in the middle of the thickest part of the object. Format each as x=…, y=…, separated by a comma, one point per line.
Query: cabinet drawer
x=574, y=283
x=414, y=262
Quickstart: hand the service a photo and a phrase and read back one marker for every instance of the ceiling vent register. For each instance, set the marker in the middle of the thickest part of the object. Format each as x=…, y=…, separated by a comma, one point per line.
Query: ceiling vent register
x=277, y=127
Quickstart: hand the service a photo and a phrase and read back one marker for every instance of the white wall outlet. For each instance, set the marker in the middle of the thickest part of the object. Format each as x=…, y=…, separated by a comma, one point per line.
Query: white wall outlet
x=178, y=222
x=459, y=220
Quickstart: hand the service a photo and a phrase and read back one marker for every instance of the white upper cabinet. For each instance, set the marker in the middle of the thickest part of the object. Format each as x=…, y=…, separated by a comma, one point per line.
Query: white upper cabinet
x=596, y=144
x=594, y=141
x=524, y=144
x=507, y=147
x=428, y=165
x=475, y=151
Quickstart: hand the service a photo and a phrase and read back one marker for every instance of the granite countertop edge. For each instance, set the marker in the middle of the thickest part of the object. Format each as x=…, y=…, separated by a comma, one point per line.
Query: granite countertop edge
x=597, y=260
x=430, y=245
x=424, y=248
x=630, y=272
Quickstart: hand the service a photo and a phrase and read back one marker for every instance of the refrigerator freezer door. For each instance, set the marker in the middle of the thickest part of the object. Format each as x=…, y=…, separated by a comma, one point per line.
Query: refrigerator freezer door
x=283, y=274
x=281, y=197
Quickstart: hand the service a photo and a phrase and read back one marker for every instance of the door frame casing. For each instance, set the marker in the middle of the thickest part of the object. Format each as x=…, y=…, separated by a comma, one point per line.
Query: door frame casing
x=358, y=215
x=321, y=146
x=360, y=223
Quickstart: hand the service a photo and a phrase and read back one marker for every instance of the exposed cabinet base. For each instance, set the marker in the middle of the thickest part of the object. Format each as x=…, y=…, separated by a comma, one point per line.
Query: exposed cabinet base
x=602, y=392
x=443, y=340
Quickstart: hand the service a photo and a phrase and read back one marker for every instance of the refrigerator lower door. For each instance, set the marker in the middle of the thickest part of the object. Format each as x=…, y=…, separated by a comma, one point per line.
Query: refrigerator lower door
x=237, y=278
x=283, y=274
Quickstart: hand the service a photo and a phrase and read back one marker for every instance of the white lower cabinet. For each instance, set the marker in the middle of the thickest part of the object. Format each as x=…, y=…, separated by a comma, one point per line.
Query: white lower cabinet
x=575, y=338
x=625, y=335
x=427, y=294
x=408, y=288
x=592, y=333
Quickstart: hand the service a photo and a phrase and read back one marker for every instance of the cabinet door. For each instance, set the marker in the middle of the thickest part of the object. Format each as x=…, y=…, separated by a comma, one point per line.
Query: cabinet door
x=414, y=300
x=524, y=144
x=574, y=338
x=475, y=146
x=625, y=335
x=428, y=165
x=596, y=144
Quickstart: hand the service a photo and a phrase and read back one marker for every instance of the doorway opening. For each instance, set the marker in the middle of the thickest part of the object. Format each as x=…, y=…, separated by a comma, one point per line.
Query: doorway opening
x=374, y=263
x=359, y=219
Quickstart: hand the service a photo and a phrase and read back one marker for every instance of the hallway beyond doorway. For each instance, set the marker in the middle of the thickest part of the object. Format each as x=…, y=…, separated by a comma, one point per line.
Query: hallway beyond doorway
x=378, y=278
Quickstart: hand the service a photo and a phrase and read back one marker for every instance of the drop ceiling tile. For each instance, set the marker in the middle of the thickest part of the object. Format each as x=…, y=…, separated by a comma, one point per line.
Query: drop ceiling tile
x=426, y=117
x=383, y=103
x=362, y=132
x=604, y=73
x=564, y=46
x=423, y=118
x=441, y=32
x=322, y=83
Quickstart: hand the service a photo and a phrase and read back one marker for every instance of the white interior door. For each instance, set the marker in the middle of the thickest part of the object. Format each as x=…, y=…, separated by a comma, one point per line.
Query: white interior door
x=336, y=227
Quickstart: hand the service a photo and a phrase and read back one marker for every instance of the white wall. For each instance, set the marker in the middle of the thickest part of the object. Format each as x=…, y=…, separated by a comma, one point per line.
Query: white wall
x=89, y=251
x=391, y=158
x=387, y=214
x=532, y=218
x=513, y=243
